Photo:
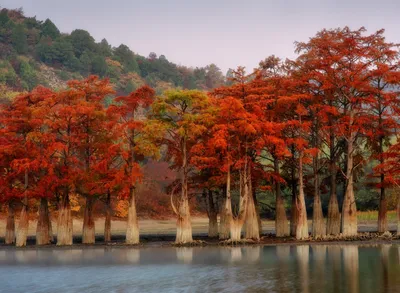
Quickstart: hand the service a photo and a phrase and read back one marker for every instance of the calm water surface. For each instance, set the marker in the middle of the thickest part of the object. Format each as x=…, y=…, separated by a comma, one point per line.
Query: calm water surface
x=304, y=268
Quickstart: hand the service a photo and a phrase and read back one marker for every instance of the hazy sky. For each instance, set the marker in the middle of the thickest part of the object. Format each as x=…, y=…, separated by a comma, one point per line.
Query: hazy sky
x=226, y=32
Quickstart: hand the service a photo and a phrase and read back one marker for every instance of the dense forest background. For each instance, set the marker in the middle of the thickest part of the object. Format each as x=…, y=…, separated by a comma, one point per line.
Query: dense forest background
x=35, y=52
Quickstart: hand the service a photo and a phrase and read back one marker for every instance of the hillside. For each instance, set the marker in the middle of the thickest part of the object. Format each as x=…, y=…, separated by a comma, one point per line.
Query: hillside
x=34, y=52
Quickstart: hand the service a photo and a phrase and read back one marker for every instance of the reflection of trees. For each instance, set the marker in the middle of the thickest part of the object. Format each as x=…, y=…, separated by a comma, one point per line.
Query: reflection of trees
x=236, y=254
x=334, y=258
x=132, y=255
x=184, y=254
x=283, y=268
x=384, y=253
x=319, y=267
x=252, y=254
x=25, y=256
x=351, y=267
x=302, y=253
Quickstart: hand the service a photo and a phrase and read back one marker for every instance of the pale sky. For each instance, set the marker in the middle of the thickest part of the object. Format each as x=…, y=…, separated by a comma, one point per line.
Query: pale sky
x=225, y=32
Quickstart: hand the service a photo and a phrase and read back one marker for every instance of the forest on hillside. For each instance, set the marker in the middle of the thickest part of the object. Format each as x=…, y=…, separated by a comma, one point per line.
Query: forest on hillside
x=34, y=52
x=311, y=138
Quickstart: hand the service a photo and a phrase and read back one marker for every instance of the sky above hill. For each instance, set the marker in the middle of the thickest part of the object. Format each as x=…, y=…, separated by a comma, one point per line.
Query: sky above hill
x=225, y=32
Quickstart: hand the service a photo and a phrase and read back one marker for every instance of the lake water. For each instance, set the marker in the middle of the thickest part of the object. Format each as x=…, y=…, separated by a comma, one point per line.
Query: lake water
x=302, y=268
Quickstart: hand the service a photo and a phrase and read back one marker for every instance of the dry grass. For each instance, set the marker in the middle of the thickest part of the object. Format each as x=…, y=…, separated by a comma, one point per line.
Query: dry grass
x=373, y=216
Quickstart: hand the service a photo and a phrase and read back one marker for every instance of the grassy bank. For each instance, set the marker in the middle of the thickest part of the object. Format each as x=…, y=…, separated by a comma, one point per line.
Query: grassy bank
x=373, y=216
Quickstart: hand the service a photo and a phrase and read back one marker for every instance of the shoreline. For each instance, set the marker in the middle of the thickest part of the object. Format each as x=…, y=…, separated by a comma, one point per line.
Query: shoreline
x=164, y=241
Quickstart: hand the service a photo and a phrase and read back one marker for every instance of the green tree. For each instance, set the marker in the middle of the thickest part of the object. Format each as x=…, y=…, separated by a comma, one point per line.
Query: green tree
x=126, y=57
x=18, y=39
x=49, y=29
x=3, y=17
x=104, y=48
x=86, y=62
x=213, y=77
x=82, y=41
x=7, y=73
x=99, y=66
x=28, y=75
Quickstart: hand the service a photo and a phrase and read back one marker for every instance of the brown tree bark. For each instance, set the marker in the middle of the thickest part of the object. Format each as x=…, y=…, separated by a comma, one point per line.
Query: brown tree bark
x=251, y=224
x=293, y=211
x=23, y=225
x=226, y=211
x=225, y=216
x=349, y=210
x=382, y=214
x=88, y=230
x=281, y=223
x=183, y=224
x=302, y=224
x=64, y=221
x=212, y=215
x=107, y=222
x=398, y=216
x=237, y=222
x=10, y=226
x=318, y=224
x=43, y=224
x=132, y=232
x=333, y=221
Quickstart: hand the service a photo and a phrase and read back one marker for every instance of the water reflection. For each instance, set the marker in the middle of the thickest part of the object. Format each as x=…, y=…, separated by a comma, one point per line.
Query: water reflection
x=302, y=268
x=184, y=254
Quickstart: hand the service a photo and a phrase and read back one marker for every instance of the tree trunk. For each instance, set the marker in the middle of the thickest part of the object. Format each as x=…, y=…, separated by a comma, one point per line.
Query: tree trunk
x=281, y=224
x=10, y=227
x=88, y=230
x=302, y=225
x=237, y=222
x=212, y=215
x=107, y=222
x=258, y=210
x=225, y=219
x=398, y=216
x=51, y=235
x=43, y=224
x=293, y=211
x=318, y=225
x=22, y=232
x=382, y=215
x=132, y=231
x=349, y=210
x=184, y=225
x=64, y=222
x=226, y=211
x=252, y=230
x=236, y=230
x=333, y=223
x=251, y=223
x=23, y=225
x=318, y=228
